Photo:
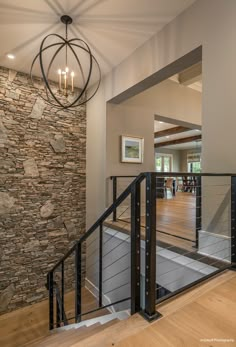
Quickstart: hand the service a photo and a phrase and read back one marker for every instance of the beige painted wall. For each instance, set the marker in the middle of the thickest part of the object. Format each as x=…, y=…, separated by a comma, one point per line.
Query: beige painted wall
x=129, y=120
x=210, y=23
x=135, y=117
x=133, y=121
x=96, y=157
x=170, y=99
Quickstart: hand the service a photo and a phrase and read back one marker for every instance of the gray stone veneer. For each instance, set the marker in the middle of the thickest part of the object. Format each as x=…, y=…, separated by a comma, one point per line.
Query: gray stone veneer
x=42, y=188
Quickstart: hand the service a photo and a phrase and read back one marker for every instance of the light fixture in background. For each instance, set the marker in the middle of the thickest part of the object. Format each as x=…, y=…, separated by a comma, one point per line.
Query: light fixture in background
x=10, y=56
x=79, y=69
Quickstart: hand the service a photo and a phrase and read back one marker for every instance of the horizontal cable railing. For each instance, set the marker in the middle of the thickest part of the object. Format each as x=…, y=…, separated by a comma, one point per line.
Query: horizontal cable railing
x=194, y=226
x=157, y=238
x=96, y=270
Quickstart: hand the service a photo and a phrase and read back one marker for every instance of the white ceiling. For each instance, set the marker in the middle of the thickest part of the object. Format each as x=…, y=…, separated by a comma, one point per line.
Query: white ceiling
x=112, y=28
x=159, y=126
x=178, y=136
x=188, y=145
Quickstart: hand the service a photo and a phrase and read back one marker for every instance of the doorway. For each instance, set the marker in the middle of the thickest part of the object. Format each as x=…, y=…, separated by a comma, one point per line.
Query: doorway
x=163, y=162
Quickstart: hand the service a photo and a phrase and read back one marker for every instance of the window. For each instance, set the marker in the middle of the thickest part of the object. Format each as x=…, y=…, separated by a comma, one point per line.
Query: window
x=164, y=162
x=194, y=167
x=194, y=162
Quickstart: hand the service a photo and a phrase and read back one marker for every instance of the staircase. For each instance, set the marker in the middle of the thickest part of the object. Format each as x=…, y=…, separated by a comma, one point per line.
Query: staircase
x=78, y=333
x=109, y=275
x=119, y=269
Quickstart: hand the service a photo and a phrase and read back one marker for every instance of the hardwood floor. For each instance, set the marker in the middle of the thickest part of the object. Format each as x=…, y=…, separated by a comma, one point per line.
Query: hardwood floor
x=27, y=324
x=207, y=319
x=175, y=221
x=204, y=312
x=68, y=338
x=177, y=215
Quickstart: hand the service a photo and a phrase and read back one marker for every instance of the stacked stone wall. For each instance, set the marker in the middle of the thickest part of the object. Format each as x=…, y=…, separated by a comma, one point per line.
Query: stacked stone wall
x=42, y=188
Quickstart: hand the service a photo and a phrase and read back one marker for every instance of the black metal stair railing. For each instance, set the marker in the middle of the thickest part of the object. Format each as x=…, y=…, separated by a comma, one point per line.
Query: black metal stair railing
x=99, y=245
x=181, y=261
x=122, y=261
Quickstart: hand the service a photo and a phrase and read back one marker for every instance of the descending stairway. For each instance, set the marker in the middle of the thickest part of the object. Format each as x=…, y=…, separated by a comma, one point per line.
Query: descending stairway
x=75, y=333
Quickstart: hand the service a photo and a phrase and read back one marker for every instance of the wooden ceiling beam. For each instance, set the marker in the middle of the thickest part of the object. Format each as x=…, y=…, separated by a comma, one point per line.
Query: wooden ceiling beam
x=171, y=131
x=191, y=75
x=178, y=141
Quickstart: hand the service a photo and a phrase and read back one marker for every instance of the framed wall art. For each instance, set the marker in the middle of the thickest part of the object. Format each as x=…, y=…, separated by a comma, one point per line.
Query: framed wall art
x=132, y=149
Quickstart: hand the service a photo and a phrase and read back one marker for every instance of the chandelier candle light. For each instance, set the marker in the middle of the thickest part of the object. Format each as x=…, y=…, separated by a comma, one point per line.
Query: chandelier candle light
x=83, y=64
x=65, y=74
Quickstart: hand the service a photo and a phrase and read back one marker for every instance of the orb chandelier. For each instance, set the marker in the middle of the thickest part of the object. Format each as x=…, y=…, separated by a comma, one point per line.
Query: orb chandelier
x=73, y=82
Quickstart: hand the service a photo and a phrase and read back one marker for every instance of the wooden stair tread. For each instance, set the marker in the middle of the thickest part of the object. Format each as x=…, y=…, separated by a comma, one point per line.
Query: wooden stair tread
x=89, y=332
x=72, y=336
x=27, y=325
x=107, y=337
x=58, y=337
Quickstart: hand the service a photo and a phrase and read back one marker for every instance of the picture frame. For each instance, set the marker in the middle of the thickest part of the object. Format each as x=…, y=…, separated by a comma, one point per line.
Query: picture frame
x=132, y=148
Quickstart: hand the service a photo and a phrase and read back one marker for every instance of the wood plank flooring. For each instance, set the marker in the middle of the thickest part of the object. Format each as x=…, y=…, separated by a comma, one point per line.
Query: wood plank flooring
x=187, y=318
x=205, y=320
x=29, y=323
x=204, y=312
x=175, y=217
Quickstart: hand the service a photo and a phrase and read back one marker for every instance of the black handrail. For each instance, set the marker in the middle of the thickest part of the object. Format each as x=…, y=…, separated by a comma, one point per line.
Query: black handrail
x=103, y=217
x=178, y=174
x=133, y=190
x=78, y=263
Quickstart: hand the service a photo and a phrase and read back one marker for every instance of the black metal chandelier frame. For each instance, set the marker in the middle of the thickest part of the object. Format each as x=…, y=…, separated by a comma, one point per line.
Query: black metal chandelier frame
x=67, y=44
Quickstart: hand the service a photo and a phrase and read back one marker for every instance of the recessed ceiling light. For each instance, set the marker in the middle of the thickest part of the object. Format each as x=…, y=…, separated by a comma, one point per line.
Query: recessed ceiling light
x=10, y=56
x=160, y=122
x=167, y=137
x=198, y=130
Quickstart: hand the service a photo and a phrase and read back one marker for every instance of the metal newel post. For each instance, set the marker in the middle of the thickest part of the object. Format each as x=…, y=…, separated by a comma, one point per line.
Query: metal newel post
x=62, y=293
x=233, y=223
x=58, y=309
x=114, y=184
x=135, y=248
x=100, y=262
x=78, y=282
x=150, y=249
x=198, y=208
x=50, y=288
